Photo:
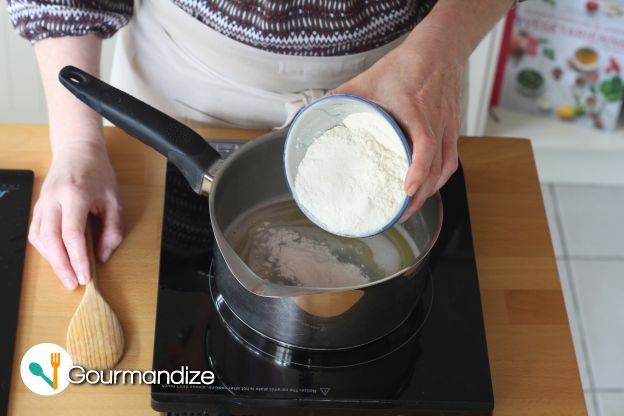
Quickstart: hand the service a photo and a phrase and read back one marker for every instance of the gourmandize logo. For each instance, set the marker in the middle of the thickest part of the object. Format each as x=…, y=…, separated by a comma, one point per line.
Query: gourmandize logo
x=44, y=369
x=47, y=369
x=55, y=361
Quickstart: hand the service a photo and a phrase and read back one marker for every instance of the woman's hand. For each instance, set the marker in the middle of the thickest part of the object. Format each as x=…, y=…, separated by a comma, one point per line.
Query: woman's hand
x=80, y=181
x=419, y=84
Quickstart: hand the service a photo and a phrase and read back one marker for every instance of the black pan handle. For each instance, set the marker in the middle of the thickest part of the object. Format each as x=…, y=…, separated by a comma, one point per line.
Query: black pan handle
x=180, y=144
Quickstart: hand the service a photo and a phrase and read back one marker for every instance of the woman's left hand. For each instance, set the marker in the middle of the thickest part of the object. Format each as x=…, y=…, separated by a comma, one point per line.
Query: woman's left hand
x=419, y=84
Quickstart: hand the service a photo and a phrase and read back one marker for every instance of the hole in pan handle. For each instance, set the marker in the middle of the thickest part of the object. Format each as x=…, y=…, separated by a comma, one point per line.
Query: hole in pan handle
x=179, y=143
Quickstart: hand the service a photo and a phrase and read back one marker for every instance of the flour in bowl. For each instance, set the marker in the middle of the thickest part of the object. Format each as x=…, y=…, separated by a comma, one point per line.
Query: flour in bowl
x=351, y=178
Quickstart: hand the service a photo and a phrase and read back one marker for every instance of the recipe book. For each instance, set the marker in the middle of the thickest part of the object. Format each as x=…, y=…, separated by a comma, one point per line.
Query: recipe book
x=564, y=59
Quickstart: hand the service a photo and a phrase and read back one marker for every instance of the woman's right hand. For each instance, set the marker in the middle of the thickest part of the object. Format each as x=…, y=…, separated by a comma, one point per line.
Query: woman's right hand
x=80, y=181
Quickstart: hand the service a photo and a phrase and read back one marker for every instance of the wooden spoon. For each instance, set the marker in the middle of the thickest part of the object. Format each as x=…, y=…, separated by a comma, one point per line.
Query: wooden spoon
x=95, y=338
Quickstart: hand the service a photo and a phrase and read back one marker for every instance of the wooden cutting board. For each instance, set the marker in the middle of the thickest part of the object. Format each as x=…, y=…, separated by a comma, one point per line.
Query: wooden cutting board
x=531, y=354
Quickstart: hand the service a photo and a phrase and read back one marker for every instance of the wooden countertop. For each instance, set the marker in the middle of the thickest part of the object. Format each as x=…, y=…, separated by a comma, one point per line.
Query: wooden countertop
x=532, y=359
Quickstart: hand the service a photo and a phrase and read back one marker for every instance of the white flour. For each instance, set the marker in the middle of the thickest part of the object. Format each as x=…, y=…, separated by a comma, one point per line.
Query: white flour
x=280, y=245
x=351, y=177
x=307, y=262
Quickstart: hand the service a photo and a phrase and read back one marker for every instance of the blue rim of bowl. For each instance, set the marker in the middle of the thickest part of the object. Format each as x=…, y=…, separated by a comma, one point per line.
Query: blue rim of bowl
x=397, y=130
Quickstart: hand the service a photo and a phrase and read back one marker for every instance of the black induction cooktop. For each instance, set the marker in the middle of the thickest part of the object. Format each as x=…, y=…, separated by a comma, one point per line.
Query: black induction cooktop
x=435, y=363
x=15, y=194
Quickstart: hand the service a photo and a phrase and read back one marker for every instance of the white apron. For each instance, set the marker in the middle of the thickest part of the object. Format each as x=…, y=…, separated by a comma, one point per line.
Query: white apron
x=179, y=65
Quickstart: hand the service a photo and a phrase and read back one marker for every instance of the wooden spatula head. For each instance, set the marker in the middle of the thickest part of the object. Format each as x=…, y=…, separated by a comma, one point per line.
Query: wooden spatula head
x=95, y=339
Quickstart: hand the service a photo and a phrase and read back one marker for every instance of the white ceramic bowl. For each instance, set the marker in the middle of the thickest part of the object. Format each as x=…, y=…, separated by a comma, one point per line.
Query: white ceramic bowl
x=319, y=116
x=583, y=66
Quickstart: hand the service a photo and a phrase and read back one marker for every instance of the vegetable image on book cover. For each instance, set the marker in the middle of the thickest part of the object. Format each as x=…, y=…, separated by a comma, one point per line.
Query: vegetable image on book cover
x=563, y=60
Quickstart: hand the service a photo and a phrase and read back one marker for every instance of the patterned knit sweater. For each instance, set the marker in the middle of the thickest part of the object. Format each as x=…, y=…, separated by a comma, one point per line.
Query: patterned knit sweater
x=292, y=27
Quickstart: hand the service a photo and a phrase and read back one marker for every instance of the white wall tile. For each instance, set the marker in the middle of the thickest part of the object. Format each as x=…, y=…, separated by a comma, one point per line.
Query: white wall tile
x=611, y=403
x=5, y=26
x=599, y=286
x=573, y=320
x=589, y=403
x=481, y=76
x=592, y=219
x=22, y=98
x=551, y=214
x=25, y=84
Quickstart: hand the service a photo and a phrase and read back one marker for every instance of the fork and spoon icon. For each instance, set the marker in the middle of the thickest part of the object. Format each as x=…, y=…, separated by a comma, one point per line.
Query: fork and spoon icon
x=55, y=361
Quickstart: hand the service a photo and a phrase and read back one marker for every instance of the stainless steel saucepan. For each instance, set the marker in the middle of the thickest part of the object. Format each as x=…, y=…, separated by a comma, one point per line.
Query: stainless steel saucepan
x=304, y=317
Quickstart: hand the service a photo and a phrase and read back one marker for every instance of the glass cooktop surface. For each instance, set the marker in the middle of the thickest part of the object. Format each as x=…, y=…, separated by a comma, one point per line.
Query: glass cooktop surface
x=435, y=363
